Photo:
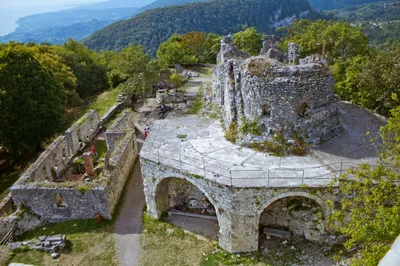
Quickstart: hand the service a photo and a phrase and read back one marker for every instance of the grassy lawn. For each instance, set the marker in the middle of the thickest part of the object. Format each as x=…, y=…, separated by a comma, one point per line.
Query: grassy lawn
x=206, y=71
x=104, y=101
x=198, y=102
x=101, y=147
x=89, y=244
x=165, y=244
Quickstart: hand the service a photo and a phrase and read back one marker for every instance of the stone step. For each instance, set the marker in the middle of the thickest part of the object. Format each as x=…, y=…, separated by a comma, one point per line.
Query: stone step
x=193, y=215
x=277, y=232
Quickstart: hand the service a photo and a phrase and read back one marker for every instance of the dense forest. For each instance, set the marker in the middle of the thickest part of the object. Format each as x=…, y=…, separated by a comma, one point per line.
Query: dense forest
x=336, y=4
x=221, y=17
x=379, y=21
x=78, y=23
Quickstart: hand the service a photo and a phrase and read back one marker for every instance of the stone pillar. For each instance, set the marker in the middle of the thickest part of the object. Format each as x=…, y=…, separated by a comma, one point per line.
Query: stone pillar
x=87, y=157
x=239, y=231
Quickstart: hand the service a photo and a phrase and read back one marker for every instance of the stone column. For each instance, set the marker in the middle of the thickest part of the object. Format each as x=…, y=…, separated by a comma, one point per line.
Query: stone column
x=87, y=157
x=239, y=231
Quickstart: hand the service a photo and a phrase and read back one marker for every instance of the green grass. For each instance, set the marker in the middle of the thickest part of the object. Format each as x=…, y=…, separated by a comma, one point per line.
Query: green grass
x=101, y=147
x=89, y=244
x=104, y=101
x=198, y=103
x=165, y=244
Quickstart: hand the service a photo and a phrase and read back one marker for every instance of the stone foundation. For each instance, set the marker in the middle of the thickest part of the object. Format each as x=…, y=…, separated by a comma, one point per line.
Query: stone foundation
x=60, y=201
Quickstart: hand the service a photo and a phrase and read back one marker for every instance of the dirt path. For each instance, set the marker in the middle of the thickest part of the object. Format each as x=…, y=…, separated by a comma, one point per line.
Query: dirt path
x=128, y=225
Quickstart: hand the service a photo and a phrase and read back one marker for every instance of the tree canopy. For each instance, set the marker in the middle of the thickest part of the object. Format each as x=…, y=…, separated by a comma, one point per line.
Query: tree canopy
x=248, y=40
x=369, y=212
x=31, y=99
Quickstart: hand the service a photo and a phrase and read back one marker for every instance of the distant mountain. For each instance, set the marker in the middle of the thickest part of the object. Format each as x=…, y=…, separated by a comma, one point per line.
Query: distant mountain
x=54, y=27
x=379, y=21
x=336, y=4
x=115, y=4
x=222, y=16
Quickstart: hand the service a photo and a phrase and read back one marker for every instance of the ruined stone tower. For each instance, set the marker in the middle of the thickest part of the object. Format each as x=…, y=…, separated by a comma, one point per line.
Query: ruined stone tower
x=281, y=92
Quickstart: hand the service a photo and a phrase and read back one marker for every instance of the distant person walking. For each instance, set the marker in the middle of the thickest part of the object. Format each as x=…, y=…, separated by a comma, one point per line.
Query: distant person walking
x=146, y=131
x=87, y=140
x=185, y=99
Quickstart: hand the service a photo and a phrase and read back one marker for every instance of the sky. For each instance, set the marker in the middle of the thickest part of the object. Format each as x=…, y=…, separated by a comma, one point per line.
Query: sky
x=11, y=11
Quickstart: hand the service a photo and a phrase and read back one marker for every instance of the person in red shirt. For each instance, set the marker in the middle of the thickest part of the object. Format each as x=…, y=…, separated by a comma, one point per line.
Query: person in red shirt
x=94, y=152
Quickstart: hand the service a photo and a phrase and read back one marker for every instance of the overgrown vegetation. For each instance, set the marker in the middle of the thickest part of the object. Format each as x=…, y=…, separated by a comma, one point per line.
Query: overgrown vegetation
x=280, y=146
x=250, y=127
x=232, y=133
x=369, y=207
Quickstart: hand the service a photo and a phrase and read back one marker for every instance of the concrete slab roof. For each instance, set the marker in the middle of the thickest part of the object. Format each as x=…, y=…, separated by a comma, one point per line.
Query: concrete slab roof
x=197, y=145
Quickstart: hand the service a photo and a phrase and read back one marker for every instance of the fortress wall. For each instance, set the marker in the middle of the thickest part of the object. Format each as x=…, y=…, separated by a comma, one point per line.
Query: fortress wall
x=291, y=98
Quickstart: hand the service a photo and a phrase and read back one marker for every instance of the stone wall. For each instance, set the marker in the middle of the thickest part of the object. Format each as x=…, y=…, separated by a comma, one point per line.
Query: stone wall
x=118, y=130
x=53, y=162
x=88, y=125
x=238, y=209
x=60, y=201
x=120, y=165
x=293, y=99
x=56, y=204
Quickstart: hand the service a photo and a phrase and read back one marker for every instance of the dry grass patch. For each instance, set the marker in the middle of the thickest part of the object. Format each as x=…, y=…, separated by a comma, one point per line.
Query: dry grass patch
x=165, y=244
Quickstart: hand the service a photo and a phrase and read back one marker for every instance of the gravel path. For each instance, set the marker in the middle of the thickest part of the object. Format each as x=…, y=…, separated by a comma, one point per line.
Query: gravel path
x=129, y=221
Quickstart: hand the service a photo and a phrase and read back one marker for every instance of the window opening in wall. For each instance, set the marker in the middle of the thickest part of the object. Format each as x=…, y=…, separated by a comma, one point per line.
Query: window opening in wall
x=59, y=200
x=303, y=110
x=266, y=110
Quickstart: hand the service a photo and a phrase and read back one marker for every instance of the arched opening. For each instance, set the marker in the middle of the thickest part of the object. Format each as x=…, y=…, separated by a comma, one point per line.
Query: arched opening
x=266, y=110
x=303, y=110
x=291, y=218
x=187, y=207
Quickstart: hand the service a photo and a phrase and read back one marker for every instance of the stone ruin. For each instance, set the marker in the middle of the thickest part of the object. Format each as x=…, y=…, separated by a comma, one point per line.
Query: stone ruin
x=53, y=244
x=45, y=193
x=281, y=92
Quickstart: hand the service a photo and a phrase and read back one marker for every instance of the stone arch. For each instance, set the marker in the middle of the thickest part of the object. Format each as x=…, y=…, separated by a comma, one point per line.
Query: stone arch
x=308, y=233
x=158, y=190
x=297, y=194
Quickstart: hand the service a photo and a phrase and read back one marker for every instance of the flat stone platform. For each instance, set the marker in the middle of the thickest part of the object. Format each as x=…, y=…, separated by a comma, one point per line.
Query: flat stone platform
x=197, y=146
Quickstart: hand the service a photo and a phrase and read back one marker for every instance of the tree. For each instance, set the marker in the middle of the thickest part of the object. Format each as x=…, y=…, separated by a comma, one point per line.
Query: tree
x=369, y=212
x=47, y=56
x=171, y=52
x=212, y=46
x=332, y=39
x=31, y=100
x=90, y=72
x=248, y=40
x=137, y=68
x=193, y=42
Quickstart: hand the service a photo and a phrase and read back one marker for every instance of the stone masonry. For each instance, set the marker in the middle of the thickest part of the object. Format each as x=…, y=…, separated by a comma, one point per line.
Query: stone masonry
x=43, y=191
x=238, y=209
x=294, y=99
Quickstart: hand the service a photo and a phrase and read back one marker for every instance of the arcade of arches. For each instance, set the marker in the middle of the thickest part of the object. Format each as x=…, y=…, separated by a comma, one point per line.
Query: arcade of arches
x=240, y=211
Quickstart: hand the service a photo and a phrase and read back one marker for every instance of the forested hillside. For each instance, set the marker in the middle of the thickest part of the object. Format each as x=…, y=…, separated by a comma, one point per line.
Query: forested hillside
x=78, y=23
x=336, y=4
x=222, y=17
x=380, y=21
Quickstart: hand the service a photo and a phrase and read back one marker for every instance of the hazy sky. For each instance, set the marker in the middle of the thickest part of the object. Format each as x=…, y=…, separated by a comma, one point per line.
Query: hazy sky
x=12, y=10
x=42, y=3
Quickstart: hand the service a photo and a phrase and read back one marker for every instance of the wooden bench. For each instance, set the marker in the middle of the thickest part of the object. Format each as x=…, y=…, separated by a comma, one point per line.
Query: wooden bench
x=276, y=232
